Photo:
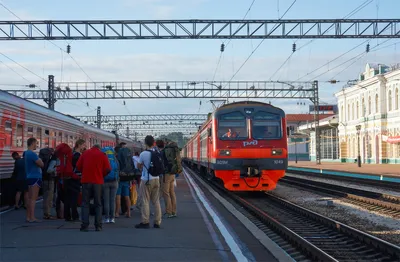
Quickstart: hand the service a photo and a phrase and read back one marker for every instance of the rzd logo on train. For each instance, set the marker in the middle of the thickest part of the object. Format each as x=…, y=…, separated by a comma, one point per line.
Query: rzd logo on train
x=250, y=143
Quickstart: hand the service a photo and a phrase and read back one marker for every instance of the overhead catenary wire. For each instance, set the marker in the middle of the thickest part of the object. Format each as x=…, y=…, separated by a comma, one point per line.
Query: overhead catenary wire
x=259, y=44
x=353, y=12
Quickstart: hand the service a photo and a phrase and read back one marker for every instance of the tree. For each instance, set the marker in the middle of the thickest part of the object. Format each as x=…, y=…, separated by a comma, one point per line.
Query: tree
x=176, y=137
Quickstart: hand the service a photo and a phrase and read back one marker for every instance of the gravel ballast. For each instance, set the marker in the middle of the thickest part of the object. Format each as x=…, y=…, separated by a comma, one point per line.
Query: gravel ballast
x=380, y=226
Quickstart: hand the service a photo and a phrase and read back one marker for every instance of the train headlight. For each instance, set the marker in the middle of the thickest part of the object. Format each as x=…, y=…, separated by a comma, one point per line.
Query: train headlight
x=277, y=151
x=224, y=152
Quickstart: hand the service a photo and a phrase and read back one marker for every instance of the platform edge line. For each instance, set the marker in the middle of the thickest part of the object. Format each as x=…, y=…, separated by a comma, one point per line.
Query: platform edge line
x=275, y=250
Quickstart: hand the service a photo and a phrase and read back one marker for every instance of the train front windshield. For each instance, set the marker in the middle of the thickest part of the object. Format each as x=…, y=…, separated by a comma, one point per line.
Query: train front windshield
x=232, y=126
x=266, y=126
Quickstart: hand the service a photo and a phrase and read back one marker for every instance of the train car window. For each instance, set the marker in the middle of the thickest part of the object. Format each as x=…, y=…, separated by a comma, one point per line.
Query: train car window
x=46, y=138
x=39, y=136
x=6, y=141
x=60, y=138
x=19, y=141
x=30, y=131
x=66, y=138
x=266, y=126
x=71, y=141
x=232, y=126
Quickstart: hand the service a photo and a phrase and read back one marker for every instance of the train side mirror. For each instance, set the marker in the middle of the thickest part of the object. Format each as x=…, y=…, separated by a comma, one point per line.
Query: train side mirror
x=209, y=132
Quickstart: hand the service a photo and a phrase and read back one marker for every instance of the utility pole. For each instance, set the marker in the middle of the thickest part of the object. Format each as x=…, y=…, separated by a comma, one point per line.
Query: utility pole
x=98, y=117
x=315, y=100
x=50, y=100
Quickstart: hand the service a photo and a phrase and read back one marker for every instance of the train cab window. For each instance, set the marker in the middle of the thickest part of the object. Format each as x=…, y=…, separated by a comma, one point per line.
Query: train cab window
x=232, y=126
x=19, y=142
x=266, y=126
x=39, y=136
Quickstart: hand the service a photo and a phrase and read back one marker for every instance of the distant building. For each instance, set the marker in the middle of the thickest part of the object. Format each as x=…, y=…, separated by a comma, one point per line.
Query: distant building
x=373, y=104
x=297, y=145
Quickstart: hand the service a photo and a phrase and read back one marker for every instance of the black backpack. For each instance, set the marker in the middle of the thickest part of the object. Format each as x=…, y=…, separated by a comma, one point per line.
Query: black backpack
x=156, y=167
x=45, y=156
x=126, y=165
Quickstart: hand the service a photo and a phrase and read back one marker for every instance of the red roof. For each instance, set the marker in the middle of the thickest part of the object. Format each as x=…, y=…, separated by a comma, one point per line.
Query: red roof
x=304, y=117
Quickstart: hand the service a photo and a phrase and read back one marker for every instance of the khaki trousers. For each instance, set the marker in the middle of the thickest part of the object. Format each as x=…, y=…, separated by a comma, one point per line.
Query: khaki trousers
x=169, y=194
x=150, y=191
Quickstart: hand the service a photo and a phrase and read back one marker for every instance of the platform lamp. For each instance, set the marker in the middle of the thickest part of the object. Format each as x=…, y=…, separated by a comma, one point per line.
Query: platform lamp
x=358, y=127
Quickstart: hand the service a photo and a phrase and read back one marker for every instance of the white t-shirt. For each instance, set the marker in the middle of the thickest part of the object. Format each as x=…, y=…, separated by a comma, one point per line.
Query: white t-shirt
x=145, y=159
x=135, y=161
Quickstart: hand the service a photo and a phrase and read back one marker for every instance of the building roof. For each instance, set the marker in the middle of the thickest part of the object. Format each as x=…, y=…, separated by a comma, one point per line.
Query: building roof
x=304, y=117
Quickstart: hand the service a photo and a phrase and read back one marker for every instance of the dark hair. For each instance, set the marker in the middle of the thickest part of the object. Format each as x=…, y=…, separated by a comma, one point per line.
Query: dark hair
x=31, y=141
x=14, y=154
x=79, y=142
x=122, y=144
x=149, y=141
x=160, y=143
x=136, y=153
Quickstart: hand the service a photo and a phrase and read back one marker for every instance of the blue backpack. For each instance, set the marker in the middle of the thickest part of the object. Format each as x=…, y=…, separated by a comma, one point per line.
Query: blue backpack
x=110, y=153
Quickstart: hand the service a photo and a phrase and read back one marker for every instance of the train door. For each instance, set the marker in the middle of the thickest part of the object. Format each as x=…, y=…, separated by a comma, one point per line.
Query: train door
x=209, y=147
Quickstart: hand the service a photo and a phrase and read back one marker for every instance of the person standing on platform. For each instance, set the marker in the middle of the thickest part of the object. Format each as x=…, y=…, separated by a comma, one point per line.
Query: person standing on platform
x=173, y=167
x=138, y=174
x=19, y=176
x=72, y=185
x=33, y=165
x=110, y=186
x=48, y=174
x=150, y=185
x=94, y=166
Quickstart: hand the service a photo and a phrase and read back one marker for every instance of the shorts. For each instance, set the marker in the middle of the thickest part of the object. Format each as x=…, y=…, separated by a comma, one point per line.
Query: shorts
x=34, y=181
x=21, y=185
x=123, y=188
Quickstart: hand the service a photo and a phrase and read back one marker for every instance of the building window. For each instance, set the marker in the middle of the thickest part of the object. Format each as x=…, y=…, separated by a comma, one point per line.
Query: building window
x=357, y=110
x=369, y=105
x=363, y=107
x=352, y=111
x=376, y=103
x=390, y=100
x=342, y=114
x=396, y=100
x=348, y=113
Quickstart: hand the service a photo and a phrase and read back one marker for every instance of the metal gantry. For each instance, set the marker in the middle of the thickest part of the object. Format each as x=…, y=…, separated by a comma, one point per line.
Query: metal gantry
x=152, y=126
x=199, y=29
x=171, y=89
x=160, y=118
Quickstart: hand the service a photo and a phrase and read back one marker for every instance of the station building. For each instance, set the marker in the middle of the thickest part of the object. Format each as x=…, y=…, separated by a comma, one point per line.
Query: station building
x=372, y=106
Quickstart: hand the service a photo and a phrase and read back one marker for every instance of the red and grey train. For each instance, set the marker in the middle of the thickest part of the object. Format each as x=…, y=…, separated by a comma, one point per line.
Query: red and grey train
x=244, y=144
x=21, y=119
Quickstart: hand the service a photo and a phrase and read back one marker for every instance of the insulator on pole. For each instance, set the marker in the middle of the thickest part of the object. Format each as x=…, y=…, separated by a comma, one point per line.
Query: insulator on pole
x=68, y=49
x=222, y=47
x=294, y=48
x=367, y=48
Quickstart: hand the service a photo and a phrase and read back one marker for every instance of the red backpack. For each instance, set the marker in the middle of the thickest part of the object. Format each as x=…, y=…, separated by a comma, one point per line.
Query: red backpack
x=64, y=154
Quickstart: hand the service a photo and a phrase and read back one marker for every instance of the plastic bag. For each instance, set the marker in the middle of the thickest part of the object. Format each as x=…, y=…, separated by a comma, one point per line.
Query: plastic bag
x=175, y=182
x=134, y=194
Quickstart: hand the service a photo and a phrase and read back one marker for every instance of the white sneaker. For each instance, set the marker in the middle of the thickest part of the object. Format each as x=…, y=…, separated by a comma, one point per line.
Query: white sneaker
x=106, y=221
x=112, y=220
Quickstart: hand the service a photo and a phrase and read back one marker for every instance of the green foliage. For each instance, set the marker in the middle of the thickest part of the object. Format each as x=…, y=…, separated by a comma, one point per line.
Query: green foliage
x=176, y=137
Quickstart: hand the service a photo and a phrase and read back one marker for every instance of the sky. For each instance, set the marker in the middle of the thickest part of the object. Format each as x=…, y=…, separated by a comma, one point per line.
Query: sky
x=188, y=60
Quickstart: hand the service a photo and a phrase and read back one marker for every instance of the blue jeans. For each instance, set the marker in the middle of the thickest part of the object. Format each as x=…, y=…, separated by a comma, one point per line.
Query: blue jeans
x=109, y=194
x=87, y=191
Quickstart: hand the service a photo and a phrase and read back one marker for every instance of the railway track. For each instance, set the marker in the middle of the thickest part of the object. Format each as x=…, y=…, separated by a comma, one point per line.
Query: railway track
x=361, y=181
x=306, y=235
x=378, y=202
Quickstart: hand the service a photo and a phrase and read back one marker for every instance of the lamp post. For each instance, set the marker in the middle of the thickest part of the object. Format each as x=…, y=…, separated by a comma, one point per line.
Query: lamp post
x=358, y=128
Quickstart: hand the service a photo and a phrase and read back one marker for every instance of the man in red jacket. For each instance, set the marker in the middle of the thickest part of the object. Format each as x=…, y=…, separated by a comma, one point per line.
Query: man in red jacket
x=94, y=166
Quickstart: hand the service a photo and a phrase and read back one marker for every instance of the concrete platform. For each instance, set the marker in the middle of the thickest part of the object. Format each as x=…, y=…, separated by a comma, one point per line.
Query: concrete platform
x=192, y=236
x=384, y=172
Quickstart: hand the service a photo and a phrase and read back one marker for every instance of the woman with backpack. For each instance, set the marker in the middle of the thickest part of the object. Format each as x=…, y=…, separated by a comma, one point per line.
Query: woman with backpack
x=110, y=186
